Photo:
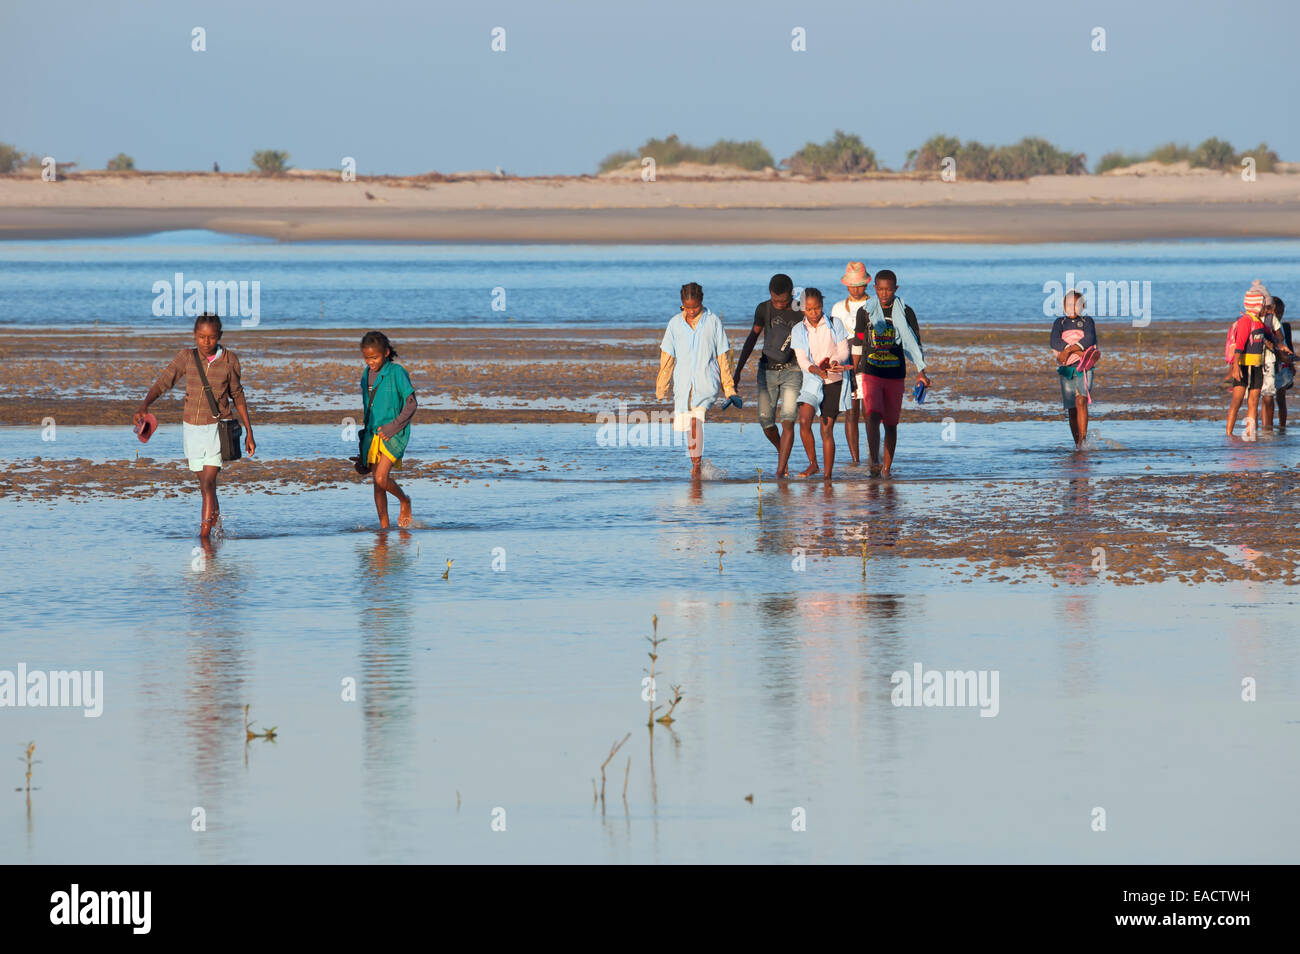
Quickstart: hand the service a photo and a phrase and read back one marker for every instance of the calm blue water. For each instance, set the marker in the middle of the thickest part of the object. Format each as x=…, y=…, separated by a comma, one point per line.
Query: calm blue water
x=503, y=686
x=76, y=282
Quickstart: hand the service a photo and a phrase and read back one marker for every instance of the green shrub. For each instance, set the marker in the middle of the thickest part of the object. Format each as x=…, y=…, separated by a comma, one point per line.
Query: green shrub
x=1266, y=159
x=929, y=158
x=668, y=152
x=1215, y=154
x=121, y=163
x=1032, y=156
x=1169, y=153
x=271, y=162
x=1116, y=160
x=842, y=154
x=11, y=158
x=616, y=159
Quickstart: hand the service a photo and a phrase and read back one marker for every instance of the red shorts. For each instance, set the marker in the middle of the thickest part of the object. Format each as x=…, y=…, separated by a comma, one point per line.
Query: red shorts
x=883, y=396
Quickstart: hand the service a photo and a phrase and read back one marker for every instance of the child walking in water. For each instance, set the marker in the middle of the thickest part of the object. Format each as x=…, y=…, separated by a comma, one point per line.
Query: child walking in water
x=694, y=356
x=821, y=347
x=388, y=397
x=201, y=441
x=1073, y=334
x=885, y=338
x=1248, y=341
x=845, y=314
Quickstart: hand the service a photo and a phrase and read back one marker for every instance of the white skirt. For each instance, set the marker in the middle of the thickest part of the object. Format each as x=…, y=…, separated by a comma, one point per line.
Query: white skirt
x=202, y=445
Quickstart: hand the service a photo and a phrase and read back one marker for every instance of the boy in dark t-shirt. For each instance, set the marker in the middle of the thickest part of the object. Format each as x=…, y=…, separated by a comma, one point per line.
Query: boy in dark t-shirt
x=883, y=341
x=779, y=376
x=1073, y=333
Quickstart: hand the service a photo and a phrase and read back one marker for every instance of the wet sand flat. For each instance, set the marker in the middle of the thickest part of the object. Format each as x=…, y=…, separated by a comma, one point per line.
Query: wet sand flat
x=1167, y=370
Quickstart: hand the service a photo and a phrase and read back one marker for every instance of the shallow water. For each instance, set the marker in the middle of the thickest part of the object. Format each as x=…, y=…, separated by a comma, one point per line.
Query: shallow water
x=503, y=687
x=624, y=448
x=65, y=282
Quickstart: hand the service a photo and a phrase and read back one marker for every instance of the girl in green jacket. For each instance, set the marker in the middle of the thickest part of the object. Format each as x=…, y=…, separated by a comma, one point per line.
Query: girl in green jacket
x=389, y=402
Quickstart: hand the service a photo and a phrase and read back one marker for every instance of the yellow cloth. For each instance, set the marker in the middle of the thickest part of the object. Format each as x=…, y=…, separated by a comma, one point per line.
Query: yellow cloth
x=376, y=448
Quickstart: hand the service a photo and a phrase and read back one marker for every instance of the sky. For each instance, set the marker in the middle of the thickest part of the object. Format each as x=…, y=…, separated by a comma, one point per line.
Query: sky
x=412, y=87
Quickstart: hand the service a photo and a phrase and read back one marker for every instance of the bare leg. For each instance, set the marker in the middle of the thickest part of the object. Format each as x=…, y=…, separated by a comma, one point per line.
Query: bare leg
x=1081, y=412
x=851, y=427
x=1266, y=418
x=1073, y=415
x=891, y=441
x=784, y=448
x=873, y=442
x=828, y=445
x=1238, y=393
x=1281, y=410
x=385, y=485
x=773, y=435
x=806, y=435
x=695, y=447
x=1252, y=411
x=208, y=488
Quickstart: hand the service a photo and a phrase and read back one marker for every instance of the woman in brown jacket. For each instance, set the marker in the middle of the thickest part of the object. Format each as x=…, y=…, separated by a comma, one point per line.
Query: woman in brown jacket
x=202, y=443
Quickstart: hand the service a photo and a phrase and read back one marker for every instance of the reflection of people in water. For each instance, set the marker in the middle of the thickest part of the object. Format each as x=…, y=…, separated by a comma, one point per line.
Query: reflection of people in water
x=213, y=668
x=385, y=689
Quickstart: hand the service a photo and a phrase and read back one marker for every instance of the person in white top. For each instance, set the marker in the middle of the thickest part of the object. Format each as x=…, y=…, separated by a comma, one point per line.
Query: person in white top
x=822, y=350
x=858, y=281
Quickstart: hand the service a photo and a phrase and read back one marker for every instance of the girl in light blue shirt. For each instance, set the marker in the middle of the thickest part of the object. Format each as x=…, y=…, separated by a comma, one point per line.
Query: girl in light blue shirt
x=694, y=356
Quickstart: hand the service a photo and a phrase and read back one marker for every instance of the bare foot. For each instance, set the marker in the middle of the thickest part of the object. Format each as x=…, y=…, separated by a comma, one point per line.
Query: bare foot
x=884, y=473
x=812, y=469
x=697, y=468
x=404, y=514
x=782, y=475
x=827, y=478
x=875, y=470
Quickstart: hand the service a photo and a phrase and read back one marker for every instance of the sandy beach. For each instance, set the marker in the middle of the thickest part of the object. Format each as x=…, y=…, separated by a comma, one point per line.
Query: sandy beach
x=618, y=209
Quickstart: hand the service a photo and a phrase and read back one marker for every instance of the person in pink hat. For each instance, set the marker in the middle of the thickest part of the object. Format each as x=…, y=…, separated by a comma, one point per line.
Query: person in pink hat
x=845, y=314
x=1249, y=339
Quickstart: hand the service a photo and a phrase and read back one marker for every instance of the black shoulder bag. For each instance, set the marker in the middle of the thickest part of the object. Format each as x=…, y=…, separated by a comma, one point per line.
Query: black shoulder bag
x=229, y=430
x=362, y=450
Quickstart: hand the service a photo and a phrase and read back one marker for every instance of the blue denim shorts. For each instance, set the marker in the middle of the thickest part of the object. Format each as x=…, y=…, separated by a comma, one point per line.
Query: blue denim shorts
x=778, y=394
x=1079, y=385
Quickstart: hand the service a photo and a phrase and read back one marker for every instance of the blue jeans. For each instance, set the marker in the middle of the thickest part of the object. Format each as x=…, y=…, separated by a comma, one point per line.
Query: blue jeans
x=778, y=394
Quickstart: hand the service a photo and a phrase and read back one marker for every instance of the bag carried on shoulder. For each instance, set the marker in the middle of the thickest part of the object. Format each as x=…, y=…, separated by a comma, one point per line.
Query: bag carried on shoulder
x=229, y=430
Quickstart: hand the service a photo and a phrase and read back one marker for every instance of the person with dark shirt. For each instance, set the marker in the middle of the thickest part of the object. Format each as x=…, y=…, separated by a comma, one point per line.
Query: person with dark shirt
x=1073, y=333
x=1276, y=365
x=884, y=339
x=1250, y=338
x=1279, y=309
x=779, y=376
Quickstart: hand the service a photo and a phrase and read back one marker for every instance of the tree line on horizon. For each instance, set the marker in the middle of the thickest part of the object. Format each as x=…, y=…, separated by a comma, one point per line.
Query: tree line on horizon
x=268, y=162
x=847, y=154
x=842, y=154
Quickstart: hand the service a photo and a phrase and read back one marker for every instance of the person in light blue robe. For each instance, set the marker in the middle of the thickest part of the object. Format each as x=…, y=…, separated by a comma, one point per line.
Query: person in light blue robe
x=694, y=357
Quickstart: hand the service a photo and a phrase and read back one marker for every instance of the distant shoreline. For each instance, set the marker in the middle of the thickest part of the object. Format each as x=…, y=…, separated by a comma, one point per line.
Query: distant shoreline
x=597, y=210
